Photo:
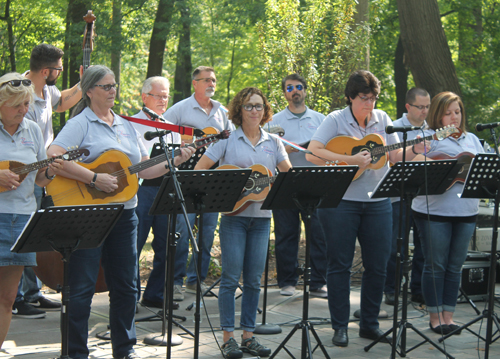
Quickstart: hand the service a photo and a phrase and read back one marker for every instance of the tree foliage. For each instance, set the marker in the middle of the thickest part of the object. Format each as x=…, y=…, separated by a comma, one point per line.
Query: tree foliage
x=316, y=40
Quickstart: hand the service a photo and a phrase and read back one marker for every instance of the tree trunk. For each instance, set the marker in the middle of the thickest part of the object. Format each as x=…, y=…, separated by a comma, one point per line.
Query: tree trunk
x=77, y=10
x=183, y=67
x=67, y=36
x=116, y=45
x=400, y=79
x=361, y=17
x=425, y=44
x=231, y=70
x=159, y=35
x=10, y=35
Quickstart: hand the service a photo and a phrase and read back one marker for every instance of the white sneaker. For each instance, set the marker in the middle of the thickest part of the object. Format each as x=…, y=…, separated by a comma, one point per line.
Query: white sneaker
x=320, y=292
x=178, y=295
x=288, y=290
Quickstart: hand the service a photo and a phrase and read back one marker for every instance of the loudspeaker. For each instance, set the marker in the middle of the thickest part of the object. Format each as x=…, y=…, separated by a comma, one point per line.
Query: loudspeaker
x=475, y=274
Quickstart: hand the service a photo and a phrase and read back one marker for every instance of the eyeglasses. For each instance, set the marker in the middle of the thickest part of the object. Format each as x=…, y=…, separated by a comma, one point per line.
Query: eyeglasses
x=290, y=88
x=17, y=83
x=258, y=107
x=107, y=87
x=421, y=107
x=56, y=68
x=159, y=97
x=366, y=98
x=207, y=79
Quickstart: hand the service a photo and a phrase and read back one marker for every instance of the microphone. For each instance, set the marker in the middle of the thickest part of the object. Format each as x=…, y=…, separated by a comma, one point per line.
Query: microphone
x=480, y=126
x=148, y=136
x=152, y=113
x=392, y=129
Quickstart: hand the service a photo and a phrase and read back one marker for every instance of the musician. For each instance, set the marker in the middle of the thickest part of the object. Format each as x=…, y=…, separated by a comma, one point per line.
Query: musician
x=198, y=111
x=417, y=105
x=155, y=95
x=299, y=123
x=357, y=216
x=21, y=140
x=45, y=69
x=244, y=237
x=446, y=234
x=97, y=128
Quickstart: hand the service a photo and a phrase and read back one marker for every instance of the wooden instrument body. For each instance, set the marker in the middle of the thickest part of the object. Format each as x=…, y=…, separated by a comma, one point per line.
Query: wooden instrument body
x=207, y=130
x=69, y=192
x=256, y=189
x=350, y=146
x=12, y=165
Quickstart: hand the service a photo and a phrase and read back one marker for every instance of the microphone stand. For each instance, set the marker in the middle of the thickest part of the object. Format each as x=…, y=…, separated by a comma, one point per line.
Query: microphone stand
x=495, y=141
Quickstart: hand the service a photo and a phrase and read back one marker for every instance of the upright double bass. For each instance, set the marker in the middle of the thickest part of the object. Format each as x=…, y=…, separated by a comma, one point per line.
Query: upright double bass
x=49, y=267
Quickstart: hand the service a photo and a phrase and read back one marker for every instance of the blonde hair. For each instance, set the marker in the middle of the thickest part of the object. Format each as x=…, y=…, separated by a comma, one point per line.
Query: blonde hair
x=15, y=95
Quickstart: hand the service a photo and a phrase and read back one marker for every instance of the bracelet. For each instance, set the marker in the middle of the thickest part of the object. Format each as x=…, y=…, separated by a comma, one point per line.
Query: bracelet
x=413, y=150
x=92, y=183
x=47, y=174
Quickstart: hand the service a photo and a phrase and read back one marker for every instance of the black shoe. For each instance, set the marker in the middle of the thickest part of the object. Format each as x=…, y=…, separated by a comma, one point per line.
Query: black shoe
x=23, y=310
x=373, y=334
x=46, y=304
x=154, y=304
x=231, y=349
x=455, y=327
x=389, y=298
x=440, y=329
x=340, y=337
x=418, y=298
x=252, y=346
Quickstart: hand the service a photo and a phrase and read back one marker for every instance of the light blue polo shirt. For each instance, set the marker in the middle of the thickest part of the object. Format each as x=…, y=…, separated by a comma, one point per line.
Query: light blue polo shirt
x=25, y=146
x=238, y=150
x=87, y=131
x=449, y=203
x=188, y=112
x=298, y=130
x=342, y=123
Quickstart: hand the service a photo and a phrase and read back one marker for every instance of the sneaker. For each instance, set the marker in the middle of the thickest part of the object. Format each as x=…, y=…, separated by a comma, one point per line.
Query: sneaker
x=23, y=310
x=45, y=303
x=231, y=349
x=130, y=356
x=178, y=295
x=252, y=346
x=390, y=298
x=287, y=290
x=319, y=292
x=191, y=288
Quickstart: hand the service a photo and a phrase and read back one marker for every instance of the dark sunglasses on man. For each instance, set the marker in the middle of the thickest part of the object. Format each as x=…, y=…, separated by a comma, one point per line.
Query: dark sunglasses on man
x=290, y=88
x=17, y=83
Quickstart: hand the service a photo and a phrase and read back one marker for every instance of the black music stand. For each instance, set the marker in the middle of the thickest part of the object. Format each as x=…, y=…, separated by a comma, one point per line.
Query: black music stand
x=483, y=181
x=417, y=178
x=298, y=188
x=204, y=191
x=64, y=230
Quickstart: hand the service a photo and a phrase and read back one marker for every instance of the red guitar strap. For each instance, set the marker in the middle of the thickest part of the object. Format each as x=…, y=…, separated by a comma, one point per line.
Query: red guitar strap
x=189, y=131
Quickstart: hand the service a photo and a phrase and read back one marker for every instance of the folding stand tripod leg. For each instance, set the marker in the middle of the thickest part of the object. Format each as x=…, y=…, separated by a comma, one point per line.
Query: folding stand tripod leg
x=304, y=324
x=472, y=304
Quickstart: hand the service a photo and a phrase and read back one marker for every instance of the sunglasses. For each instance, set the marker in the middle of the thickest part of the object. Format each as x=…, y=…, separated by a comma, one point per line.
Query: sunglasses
x=290, y=88
x=107, y=87
x=17, y=83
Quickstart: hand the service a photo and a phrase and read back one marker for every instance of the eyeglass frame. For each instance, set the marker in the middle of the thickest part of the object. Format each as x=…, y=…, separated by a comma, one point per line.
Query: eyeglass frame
x=159, y=97
x=366, y=98
x=420, y=107
x=290, y=87
x=24, y=82
x=253, y=106
x=115, y=85
x=207, y=79
x=56, y=68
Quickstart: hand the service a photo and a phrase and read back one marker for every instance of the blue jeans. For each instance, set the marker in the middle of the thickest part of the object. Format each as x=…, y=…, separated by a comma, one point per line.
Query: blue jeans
x=287, y=227
x=29, y=285
x=445, y=246
x=371, y=223
x=209, y=225
x=244, y=243
x=156, y=281
x=118, y=256
x=418, y=257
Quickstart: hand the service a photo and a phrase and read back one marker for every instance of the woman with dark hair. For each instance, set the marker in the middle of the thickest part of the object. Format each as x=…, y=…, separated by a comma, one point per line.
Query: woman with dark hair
x=445, y=222
x=97, y=128
x=244, y=237
x=357, y=216
x=21, y=140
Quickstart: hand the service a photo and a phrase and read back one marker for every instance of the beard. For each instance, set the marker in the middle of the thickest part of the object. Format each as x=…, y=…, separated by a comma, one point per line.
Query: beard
x=298, y=100
x=51, y=82
x=209, y=92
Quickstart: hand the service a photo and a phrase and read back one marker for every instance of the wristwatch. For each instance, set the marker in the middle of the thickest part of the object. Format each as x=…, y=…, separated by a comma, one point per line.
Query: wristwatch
x=92, y=184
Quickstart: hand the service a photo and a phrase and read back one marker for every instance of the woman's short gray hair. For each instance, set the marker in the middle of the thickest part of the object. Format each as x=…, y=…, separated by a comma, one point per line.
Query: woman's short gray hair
x=15, y=95
x=90, y=78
